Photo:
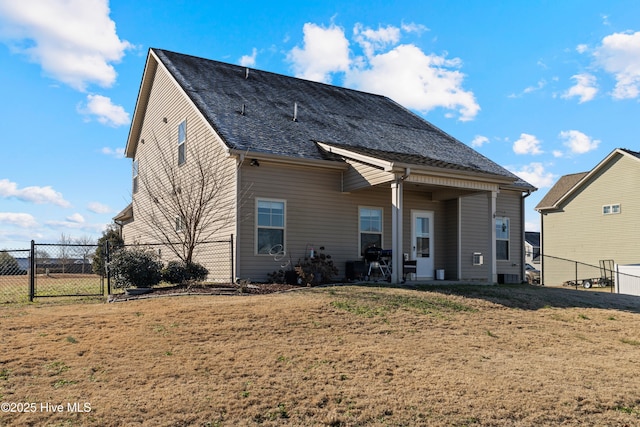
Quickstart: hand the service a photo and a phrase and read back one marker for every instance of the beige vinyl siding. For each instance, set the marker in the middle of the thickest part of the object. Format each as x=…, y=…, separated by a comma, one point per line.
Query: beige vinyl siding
x=360, y=176
x=476, y=234
x=580, y=232
x=319, y=211
x=167, y=101
x=475, y=237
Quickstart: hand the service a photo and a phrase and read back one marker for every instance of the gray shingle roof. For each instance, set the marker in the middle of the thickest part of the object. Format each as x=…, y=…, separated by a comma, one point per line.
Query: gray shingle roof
x=564, y=184
x=325, y=113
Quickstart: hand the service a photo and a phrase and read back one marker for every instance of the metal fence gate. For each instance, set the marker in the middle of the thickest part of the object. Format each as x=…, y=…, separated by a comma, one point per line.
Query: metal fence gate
x=63, y=270
x=14, y=275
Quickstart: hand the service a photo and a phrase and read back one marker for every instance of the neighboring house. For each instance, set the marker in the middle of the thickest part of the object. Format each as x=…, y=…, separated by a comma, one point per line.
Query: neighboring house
x=592, y=216
x=309, y=165
x=532, y=247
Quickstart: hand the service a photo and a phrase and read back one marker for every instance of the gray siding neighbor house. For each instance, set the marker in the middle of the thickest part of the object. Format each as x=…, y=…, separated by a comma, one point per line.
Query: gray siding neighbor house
x=304, y=164
x=591, y=216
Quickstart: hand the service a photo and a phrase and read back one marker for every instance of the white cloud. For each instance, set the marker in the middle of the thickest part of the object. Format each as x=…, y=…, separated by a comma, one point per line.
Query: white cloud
x=619, y=55
x=99, y=208
x=105, y=111
x=39, y=195
x=20, y=219
x=402, y=72
x=325, y=51
x=372, y=41
x=74, y=41
x=479, y=141
x=535, y=174
x=416, y=80
x=540, y=85
x=582, y=48
x=249, y=60
x=118, y=153
x=76, y=218
x=585, y=88
x=578, y=142
x=527, y=144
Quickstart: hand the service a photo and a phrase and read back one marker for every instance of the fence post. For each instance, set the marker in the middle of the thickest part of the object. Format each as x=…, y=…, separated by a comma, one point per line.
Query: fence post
x=105, y=261
x=32, y=272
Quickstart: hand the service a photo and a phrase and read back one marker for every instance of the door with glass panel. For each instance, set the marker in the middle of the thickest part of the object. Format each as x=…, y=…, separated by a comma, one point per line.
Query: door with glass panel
x=422, y=243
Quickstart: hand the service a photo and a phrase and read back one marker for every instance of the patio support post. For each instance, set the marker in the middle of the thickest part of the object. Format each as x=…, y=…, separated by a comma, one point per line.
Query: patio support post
x=396, y=230
x=493, y=271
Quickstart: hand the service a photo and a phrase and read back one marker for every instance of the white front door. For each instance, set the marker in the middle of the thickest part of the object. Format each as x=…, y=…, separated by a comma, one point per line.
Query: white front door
x=422, y=243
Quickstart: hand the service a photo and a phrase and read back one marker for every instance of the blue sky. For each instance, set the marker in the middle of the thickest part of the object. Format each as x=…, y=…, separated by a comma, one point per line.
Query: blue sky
x=544, y=88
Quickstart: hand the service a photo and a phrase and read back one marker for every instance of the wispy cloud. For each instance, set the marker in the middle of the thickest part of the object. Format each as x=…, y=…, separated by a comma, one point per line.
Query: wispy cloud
x=585, y=88
x=479, y=141
x=118, y=153
x=104, y=111
x=33, y=194
x=99, y=208
x=22, y=220
x=403, y=72
x=535, y=174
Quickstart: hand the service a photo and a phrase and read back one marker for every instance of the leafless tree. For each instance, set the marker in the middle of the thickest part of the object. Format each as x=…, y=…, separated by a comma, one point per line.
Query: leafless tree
x=85, y=247
x=64, y=255
x=187, y=204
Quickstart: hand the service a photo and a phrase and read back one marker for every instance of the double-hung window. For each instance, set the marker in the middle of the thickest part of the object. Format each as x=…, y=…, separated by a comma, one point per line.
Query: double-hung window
x=502, y=238
x=270, y=225
x=179, y=224
x=370, y=228
x=182, y=142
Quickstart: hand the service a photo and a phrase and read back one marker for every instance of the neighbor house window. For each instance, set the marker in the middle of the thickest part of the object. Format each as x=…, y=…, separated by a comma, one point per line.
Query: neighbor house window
x=611, y=209
x=370, y=228
x=502, y=238
x=179, y=224
x=135, y=176
x=270, y=222
x=182, y=142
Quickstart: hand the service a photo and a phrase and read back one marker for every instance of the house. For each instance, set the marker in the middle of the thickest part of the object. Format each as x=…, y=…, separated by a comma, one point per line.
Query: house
x=591, y=216
x=531, y=247
x=308, y=165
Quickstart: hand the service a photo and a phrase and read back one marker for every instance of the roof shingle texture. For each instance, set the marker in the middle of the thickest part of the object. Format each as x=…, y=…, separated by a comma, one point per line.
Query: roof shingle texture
x=325, y=113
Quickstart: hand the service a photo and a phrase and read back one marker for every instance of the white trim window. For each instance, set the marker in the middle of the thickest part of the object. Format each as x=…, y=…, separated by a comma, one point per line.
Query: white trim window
x=182, y=142
x=369, y=227
x=502, y=238
x=270, y=225
x=135, y=168
x=179, y=224
x=611, y=209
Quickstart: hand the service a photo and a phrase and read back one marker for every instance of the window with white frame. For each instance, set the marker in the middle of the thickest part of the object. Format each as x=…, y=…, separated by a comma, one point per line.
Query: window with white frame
x=135, y=175
x=179, y=224
x=370, y=220
x=182, y=142
x=502, y=238
x=611, y=209
x=270, y=225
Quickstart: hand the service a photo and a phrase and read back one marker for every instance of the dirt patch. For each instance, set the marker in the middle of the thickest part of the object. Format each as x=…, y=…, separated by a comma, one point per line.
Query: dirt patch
x=331, y=356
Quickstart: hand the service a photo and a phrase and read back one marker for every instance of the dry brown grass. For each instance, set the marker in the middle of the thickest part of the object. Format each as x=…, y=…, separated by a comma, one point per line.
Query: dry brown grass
x=353, y=355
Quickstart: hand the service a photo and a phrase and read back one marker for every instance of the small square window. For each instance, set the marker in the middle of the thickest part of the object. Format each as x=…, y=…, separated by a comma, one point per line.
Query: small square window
x=611, y=209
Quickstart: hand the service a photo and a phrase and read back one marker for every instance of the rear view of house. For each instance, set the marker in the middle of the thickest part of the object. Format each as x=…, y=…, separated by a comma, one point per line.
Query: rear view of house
x=591, y=216
x=302, y=165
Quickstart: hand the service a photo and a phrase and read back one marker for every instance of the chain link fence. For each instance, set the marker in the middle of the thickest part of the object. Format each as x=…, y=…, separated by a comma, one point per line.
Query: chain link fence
x=14, y=275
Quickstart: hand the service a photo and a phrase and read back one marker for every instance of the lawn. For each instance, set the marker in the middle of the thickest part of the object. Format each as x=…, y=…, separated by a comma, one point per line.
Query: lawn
x=331, y=356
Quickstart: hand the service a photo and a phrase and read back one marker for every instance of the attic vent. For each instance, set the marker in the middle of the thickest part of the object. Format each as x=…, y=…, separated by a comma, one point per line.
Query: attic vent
x=246, y=73
x=295, y=111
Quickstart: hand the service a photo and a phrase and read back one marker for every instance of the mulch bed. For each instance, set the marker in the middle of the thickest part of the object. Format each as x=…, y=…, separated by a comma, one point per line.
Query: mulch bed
x=204, y=289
